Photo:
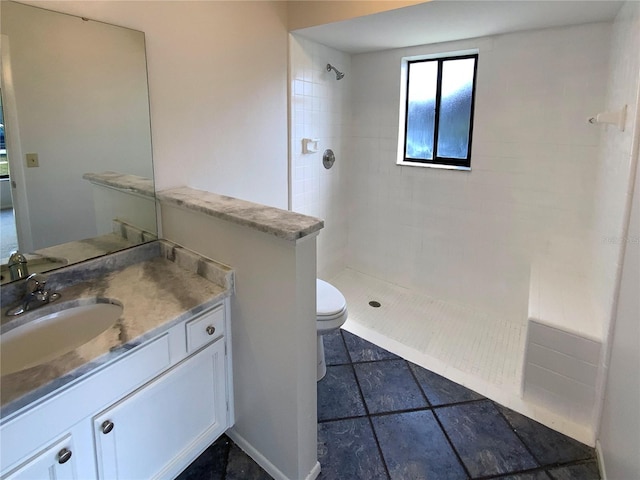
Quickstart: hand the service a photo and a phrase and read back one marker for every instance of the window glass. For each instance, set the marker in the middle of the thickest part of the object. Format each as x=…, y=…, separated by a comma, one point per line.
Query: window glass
x=421, y=108
x=438, y=119
x=455, y=108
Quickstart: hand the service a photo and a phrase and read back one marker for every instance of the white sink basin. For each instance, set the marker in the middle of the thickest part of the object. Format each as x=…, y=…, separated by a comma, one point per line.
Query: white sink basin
x=49, y=336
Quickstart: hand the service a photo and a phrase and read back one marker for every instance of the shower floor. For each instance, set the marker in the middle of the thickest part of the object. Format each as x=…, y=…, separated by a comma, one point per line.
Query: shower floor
x=481, y=351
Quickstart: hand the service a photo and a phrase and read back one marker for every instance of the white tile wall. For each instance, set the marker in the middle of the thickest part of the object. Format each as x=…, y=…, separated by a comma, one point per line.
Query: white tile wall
x=468, y=237
x=614, y=189
x=561, y=372
x=563, y=364
x=560, y=394
x=320, y=108
x=615, y=159
x=583, y=349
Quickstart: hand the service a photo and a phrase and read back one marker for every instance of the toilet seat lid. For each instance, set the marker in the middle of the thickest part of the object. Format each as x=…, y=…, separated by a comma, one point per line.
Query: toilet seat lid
x=329, y=300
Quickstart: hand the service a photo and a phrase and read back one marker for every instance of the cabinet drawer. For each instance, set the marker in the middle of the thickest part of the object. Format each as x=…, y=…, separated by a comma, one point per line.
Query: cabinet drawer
x=205, y=329
x=54, y=462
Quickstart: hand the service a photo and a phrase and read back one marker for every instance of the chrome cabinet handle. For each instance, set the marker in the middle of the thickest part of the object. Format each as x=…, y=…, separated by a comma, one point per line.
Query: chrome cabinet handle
x=211, y=330
x=107, y=426
x=64, y=455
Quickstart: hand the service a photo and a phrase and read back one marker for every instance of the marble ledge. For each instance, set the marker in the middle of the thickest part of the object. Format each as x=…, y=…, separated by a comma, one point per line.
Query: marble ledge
x=283, y=224
x=81, y=250
x=159, y=285
x=122, y=181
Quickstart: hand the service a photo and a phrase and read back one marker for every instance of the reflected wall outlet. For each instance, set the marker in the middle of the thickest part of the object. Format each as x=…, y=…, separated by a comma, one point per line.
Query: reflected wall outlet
x=32, y=160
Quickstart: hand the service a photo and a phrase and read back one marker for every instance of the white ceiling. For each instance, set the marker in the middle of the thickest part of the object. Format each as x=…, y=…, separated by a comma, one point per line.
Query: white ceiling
x=447, y=20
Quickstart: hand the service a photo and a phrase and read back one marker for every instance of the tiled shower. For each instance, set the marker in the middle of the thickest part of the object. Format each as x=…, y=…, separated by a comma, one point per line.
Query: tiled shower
x=320, y=110
x=544, y=183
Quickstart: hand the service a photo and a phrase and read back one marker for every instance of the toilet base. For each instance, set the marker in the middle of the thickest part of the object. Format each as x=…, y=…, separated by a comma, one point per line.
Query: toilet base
x=322, y=366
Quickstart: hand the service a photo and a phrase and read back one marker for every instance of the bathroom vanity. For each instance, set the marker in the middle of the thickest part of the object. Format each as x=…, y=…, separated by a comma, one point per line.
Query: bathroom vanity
x=141, y=400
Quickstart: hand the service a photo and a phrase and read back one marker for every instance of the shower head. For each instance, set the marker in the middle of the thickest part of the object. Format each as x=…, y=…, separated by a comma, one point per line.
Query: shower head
x=339, y=74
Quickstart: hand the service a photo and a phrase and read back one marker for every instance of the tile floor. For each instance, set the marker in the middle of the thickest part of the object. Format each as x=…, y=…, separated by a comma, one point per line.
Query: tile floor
x=224, y=461
x=381, y=417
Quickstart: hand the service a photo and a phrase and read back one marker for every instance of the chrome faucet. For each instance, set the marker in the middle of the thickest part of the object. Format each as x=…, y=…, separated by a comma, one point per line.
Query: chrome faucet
x=37, y=295
x=17, y=266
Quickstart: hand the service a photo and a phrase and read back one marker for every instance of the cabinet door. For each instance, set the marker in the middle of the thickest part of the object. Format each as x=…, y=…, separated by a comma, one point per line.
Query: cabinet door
x=55, y=462
x=154, y=432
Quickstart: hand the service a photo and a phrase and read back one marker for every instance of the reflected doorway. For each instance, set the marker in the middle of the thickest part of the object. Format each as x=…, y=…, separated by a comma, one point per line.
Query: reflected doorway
x=8, y=234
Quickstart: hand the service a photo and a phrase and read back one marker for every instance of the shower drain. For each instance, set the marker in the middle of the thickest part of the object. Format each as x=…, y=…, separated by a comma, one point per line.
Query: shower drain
x=374, y=304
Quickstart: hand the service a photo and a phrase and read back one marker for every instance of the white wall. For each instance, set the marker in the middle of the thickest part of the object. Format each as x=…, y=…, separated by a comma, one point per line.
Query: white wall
x=218, y=91
x=619, y=434
x=613, y=173
x=81, y=98
x=468, y=237
x=320, y=108
x=274, y=337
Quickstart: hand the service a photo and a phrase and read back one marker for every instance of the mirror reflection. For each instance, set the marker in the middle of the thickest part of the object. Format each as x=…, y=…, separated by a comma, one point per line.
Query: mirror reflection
x=75, y=158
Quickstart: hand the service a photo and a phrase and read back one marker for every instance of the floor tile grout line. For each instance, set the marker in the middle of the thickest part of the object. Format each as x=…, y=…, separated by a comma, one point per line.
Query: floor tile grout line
x=375, y=439
x=453, y=448
x=526, y=446
x=366, y=409
x=415, y=379
x=339, y=419
x=368, y=416
x=511, y=474
x=541, y=467
x=406, y=410
x=344, y=342
x=433, y=413
x=368, y=361
x=455, y=452
x=352, y=361
x=462, y=402
x=515, y=432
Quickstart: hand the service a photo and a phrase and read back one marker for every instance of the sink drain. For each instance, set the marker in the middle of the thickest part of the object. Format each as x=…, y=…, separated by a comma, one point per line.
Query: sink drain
x=374, y=304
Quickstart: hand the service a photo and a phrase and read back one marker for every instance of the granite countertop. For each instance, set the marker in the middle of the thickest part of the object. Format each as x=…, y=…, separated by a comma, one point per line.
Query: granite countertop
x=275, y=221
x=159, y=284
x=123, y=181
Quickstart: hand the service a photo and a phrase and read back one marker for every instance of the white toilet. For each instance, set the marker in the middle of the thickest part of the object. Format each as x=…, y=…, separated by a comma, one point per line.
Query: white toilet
x=331, y=313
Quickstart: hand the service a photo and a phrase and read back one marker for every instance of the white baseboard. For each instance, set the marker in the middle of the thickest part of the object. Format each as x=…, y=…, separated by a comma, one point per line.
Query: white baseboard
x=600, y=458
x=261, y=460
x=315, y=471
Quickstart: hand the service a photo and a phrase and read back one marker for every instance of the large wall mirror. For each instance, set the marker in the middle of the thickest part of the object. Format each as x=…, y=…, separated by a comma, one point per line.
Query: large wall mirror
x=75, y=102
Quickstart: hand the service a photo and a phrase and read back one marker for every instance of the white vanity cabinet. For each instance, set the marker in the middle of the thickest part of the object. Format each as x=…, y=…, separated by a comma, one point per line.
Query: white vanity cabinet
x=55, y=462
x=148, y=433
x=146, y=415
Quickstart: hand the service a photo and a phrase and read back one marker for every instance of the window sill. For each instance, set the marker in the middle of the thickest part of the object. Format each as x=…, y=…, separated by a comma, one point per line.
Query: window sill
x=433, y=165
